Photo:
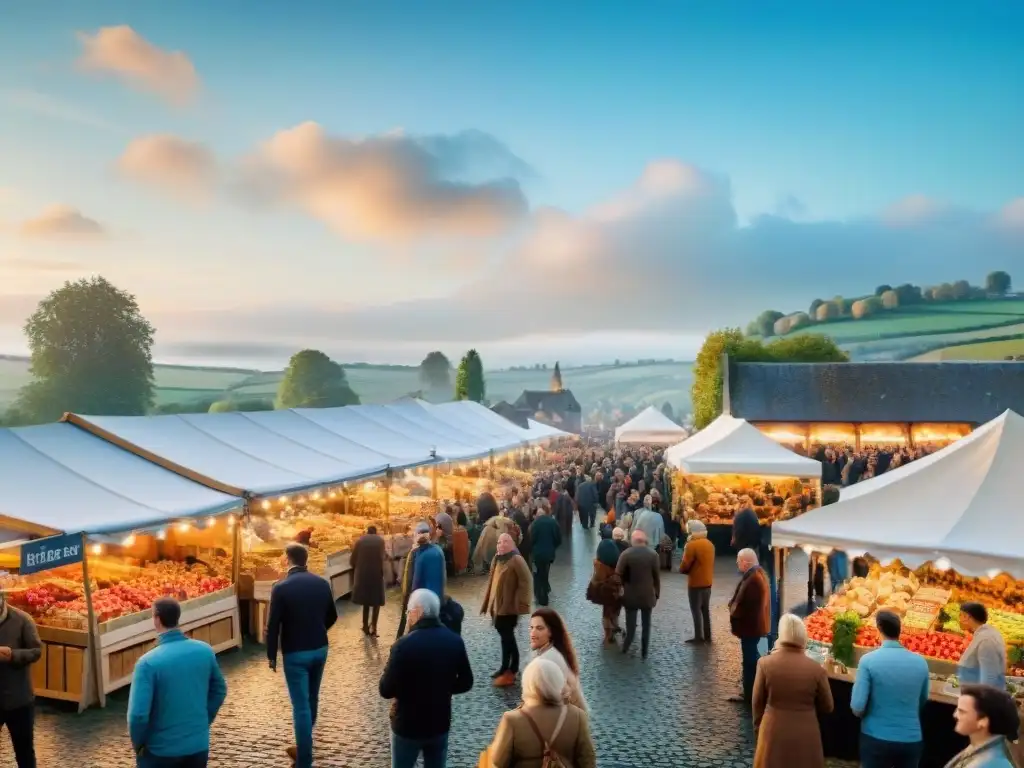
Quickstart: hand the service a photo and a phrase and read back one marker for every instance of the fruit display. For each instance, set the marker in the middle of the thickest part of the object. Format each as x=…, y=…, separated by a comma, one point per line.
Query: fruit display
x=715, y=500
x=1002, y=592
x=1011, y=625
x=880, y=590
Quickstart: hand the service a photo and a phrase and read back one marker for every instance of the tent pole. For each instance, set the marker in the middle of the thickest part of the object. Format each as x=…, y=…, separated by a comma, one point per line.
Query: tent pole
x=387, y=500
x=236, y=554
x=96, y=653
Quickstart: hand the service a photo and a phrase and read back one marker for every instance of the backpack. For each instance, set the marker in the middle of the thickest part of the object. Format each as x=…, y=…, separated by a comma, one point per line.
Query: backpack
x=549, y=758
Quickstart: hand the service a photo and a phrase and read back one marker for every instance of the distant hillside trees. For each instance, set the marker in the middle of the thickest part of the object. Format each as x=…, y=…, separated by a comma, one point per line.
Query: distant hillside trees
x=469, y=380
x=997, y=283
x=313, y=380
x=436, y=371
x=706, y=393
x=91, y=353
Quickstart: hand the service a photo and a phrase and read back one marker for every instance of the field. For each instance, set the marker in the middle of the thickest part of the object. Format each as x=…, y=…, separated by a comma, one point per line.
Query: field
x=638, y=385
x=984, y=350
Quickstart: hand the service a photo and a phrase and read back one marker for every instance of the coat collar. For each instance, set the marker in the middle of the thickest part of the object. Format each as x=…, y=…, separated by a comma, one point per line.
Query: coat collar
x=297, y=569
x=427, y=622
x=171, y=636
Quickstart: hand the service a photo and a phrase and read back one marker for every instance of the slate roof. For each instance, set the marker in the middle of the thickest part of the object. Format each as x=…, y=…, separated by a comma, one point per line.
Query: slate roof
x=955, y=392
x=519, y=418
x=551, y=402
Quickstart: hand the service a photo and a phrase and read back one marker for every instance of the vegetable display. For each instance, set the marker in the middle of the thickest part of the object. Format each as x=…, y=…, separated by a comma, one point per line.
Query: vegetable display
x=844, y=633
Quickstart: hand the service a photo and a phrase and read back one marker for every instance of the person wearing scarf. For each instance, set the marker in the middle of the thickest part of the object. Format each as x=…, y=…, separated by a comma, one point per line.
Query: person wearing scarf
x=605, y=587
x=507, y=597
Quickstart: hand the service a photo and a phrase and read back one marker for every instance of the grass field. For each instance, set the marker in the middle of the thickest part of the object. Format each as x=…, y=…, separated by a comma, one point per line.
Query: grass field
x=950, y=318
x=985, y=350
x=638, y=385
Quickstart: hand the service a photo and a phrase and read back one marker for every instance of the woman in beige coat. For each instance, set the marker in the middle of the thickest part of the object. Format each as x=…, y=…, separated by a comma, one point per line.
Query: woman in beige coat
x=790, y=690
x=508, y=595
x=543, y=721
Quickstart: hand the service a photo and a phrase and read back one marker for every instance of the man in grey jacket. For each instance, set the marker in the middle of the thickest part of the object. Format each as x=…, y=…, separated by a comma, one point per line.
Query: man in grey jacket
x=639, y=570
x=19, y=649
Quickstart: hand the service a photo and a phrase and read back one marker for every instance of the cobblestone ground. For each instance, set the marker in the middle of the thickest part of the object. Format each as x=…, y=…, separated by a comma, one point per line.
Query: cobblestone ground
x=668, y=711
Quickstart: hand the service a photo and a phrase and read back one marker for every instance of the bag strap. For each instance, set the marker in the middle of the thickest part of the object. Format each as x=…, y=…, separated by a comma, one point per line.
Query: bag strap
x=545, y=744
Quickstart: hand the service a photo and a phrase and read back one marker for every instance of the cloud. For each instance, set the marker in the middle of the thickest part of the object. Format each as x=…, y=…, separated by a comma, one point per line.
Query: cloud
x=912, y=210
x=44, y=105
x=1012, y=214
x=61, y=221
x=181, y=167
x=123, y=53
x=26, y=264
x=790, y=207
x=665, y=255
x=391, y=187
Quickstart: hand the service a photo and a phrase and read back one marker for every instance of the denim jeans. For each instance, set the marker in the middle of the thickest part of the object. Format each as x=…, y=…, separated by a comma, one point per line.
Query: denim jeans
x=876, y=753
x=751, y=654
x=303, y=671
x=198, y=760
x=404, y=752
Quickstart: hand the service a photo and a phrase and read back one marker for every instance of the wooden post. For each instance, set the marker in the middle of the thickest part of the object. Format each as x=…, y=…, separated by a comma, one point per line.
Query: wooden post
x=433, y=482
x=387, y=500
x=95, y=652
x=236, y=538
x=856, y=436
x=490, y=471
x=807, y=440
x=908, y=431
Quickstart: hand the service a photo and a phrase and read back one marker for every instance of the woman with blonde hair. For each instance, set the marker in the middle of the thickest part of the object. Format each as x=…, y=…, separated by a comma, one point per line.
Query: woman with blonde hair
x=543, y=726
x=790, y=690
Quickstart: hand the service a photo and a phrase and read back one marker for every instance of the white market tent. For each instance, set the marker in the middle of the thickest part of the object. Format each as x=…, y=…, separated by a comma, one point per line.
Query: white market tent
x=448, y=445
x=442, y=424
x=544, y=431
x=956, y=507
x=482, y=420
x=228, y=451
x=652, y=427
x=56, y=478
x=731, y=446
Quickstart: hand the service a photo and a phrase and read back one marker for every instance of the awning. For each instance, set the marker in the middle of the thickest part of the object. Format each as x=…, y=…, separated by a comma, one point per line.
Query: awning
x=56, y=478
x=446, y=423
x=652, y=427
x=228, y=451
x=731, y=446
x=446, y=445
x=956, y=507
x=544, y=432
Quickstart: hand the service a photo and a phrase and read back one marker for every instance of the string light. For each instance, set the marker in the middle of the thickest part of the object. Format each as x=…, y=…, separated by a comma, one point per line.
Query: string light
x=943, y=564
x=265, y=505
x=993, y=572
x=161, y=534
x=183, y=527
x=316, y=496
x=283, y=500
x=231, y=521
x=97, y=549
x=128, y=540
x=211, y=521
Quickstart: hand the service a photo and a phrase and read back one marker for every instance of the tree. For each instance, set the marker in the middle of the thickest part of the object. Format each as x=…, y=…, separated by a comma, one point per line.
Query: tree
x=843, y=305
x=223, y=406
x=706, y=393
x=997, y=283
x=781, y=328
x=313, y=380
x=961, y=290
x=469, y=381
x=882, y=289
x=667, y=410
x=827, y=311
x=91, y=353
x=799, y=320
x=943, y=292
x=436, y=371
x=890, y=300
x=909, y=294
x=813, y=311
x=872, y=305
x=766, y=322
x=556, y=379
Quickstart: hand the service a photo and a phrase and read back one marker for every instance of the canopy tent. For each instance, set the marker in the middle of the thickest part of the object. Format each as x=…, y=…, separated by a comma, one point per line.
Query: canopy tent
x=57, y=478
x=542, y=432
x=448, y=446
x=227, y=451
x=731, y=446
x=650, y=426
x=351, y=424
x=442, y=424
x=954, y=508
x=467, y=415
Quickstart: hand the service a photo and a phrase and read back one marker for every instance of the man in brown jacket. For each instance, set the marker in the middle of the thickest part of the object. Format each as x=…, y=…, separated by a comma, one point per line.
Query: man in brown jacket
x=19, y=649
x=699, y=566
x=639, y=568
x=749, y=616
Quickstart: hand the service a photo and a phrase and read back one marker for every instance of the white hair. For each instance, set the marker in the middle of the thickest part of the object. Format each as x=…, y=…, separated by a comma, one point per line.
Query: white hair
x=543, y=683
x=426, y=601
x=748, y=556
x=792, y=630
x=639, y=537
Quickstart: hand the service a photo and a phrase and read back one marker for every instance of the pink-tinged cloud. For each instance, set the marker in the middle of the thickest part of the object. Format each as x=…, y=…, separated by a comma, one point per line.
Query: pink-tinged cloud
x=391, y=187
x=1012, y=215
x=185, y=168
x=913, y=210
x=61, y=221
x=123, y=53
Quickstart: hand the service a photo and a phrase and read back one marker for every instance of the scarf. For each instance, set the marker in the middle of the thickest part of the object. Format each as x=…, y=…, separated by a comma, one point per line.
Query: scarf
x=505, y=557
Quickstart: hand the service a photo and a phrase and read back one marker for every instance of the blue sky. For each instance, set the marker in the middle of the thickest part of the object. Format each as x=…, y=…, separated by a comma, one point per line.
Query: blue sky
x=822, y=114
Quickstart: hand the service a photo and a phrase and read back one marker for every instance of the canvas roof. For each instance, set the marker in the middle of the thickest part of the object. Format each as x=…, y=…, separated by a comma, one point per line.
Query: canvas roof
x=59, y=478
x=731, y=446
x=958, y=504
x=650, y=426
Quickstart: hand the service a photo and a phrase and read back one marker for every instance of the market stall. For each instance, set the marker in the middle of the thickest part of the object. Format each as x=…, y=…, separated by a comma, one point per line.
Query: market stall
x=936, y=534
x=100, y=535
x=650, y=427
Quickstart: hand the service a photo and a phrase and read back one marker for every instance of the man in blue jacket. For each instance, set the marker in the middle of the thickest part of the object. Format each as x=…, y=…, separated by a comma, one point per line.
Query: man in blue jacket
x=426, y=668
x=302, y=609
x=176, y=692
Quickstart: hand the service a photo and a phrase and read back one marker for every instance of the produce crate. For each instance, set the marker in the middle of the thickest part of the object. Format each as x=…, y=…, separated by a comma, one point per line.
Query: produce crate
x=63, y=669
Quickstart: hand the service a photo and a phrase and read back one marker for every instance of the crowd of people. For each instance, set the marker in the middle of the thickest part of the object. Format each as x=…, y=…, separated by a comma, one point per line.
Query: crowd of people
x=178, y=688
x=844, y=465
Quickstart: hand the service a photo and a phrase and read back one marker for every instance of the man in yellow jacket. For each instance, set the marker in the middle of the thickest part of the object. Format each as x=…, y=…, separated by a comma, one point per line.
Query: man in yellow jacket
x=699, y=566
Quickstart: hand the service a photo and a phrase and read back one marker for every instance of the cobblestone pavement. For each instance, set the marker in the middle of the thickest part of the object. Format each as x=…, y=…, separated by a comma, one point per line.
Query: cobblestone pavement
x=668, y=711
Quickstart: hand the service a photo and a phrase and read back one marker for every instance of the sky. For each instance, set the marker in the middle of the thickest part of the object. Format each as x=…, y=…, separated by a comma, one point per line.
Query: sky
x=580, y=181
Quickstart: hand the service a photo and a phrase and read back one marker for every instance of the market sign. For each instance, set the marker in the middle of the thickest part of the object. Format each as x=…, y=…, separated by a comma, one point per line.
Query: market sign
x=51, y=552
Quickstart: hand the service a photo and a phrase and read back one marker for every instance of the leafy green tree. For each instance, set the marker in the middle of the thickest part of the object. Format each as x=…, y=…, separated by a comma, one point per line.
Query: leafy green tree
x=765, y=322
x=862, y=308
x=961, y=290
x=997, y=283
x=469, y=381
x=251, y=404
x=909, y=294
x=91, y=353
x=827, y=310
x=313, y=380
x=223, y=406
x=668, y=411
x=882, y=289
x=843, y=305
x=890, y=299
x=436, y=371
x=556, y=379
x=813, y=311
x=781, y=327
x=944, y=292
x=706, y=393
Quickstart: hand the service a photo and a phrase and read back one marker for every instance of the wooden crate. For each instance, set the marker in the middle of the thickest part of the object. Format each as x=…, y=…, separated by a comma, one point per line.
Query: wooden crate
x=62, y=670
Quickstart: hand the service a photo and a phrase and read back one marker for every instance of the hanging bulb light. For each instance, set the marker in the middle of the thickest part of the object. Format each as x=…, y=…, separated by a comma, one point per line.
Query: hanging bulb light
x=128, y=540
x=231, y=521
x=265, y=505
x=161, y=534
x=211, y=521
x=183, y=527
x=97, y=549
x=283, y=500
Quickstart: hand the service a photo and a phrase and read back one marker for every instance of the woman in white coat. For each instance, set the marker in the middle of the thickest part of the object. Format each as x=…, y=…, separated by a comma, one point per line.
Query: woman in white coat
x=550, y=640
